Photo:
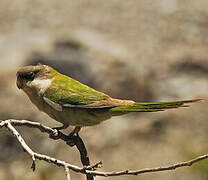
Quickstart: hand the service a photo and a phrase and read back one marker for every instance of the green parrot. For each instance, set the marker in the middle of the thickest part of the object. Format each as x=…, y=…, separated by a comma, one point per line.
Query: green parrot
x=72, y=103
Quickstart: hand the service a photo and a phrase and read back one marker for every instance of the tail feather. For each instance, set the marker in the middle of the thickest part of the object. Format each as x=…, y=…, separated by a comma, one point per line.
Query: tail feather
x=153, y=106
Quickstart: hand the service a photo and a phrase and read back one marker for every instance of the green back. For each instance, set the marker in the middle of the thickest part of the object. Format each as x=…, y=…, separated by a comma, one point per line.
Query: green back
x=67, y=91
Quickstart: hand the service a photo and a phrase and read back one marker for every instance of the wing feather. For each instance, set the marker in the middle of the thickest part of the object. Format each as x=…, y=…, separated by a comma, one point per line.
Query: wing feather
x=66, y=92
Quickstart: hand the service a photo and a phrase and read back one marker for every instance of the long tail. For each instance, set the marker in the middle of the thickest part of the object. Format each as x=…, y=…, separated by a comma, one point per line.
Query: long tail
x=153, y=106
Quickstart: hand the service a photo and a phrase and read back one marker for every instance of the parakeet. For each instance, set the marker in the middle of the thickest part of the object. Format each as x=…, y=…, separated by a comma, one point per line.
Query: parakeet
x=70, y=102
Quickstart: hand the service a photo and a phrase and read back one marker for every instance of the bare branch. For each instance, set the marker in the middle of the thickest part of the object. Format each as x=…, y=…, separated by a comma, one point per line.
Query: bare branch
x=54, y=134
x=34, y=155
x=150, y=170
x=67, y=173
x=86, y=170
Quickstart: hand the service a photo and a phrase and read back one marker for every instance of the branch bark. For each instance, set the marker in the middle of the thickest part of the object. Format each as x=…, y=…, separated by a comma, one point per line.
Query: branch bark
x=67, y=173
x=89, y=170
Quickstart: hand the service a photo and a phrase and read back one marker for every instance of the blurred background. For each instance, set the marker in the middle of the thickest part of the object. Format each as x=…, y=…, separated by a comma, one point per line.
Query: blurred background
x=147, y=50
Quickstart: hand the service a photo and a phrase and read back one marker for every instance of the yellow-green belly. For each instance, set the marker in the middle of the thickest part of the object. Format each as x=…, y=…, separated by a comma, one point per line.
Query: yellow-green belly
x=81, y=117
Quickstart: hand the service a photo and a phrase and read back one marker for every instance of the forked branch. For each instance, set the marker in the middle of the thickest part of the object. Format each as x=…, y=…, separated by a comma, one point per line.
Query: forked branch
x=90, y=170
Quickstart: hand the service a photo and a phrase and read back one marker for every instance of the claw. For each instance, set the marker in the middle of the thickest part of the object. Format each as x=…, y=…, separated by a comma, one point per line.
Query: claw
x=55, y=136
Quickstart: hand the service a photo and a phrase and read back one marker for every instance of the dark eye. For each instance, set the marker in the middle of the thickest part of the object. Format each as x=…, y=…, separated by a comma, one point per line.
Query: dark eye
x=29, y=76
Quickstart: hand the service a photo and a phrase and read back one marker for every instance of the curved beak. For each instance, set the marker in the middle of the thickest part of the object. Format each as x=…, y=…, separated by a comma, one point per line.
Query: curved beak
x=18, y=82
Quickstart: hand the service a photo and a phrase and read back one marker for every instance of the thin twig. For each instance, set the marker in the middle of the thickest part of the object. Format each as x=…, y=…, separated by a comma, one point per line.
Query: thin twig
x=95, y=166
x=85, y=170
x=74, y=140
x=67, y=173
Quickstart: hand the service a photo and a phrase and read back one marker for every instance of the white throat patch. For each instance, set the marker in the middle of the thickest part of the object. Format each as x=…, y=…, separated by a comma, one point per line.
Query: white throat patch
x=41, y=84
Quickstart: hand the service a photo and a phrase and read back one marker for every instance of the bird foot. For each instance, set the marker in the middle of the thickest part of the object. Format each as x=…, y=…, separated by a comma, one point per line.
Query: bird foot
x=72, y=137
x=55, y=134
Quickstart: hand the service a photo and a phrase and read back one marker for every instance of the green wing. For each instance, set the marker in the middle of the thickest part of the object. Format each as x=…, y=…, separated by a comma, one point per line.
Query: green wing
x=67, y=92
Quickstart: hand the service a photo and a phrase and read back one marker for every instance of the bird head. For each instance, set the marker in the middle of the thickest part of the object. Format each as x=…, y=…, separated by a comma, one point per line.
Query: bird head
x=34, y=77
